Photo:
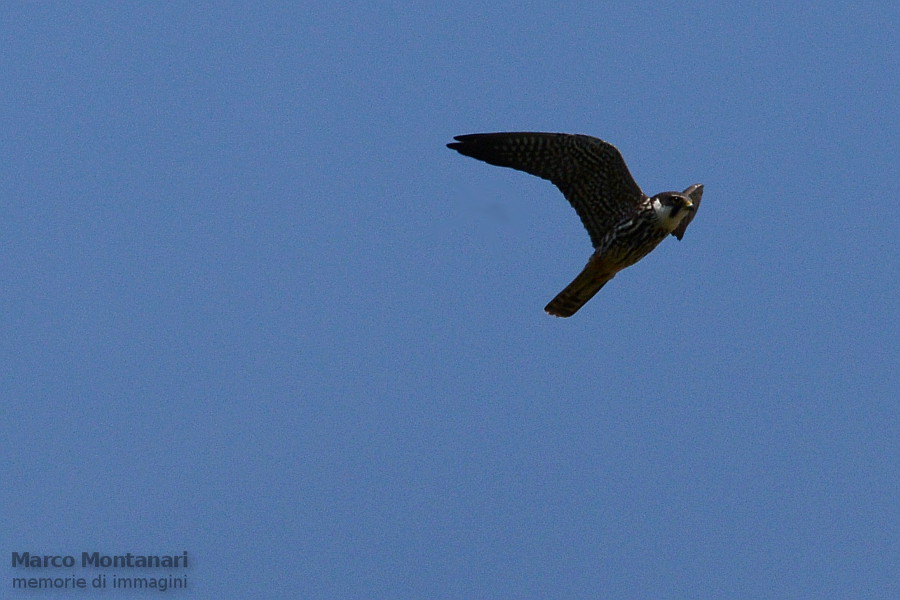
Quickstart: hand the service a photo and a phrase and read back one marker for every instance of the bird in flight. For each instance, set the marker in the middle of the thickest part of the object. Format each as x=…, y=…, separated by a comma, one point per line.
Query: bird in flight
x=623, y=222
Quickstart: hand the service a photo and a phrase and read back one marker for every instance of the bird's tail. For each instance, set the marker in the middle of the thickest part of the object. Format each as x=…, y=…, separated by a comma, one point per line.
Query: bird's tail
x=582, y=289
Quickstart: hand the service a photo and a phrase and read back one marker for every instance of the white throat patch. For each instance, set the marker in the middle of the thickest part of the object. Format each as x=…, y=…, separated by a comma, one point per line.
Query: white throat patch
x=664, y=214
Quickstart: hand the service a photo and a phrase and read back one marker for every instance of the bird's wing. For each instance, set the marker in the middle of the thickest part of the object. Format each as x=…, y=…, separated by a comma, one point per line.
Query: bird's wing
x=591, y=173
x=695, y=193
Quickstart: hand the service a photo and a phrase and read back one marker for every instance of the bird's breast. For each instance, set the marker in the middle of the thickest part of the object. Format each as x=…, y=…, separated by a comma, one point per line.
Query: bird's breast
x=631, y=241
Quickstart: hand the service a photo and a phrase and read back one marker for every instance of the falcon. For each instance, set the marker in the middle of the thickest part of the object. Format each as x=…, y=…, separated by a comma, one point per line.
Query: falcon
x=624, y=223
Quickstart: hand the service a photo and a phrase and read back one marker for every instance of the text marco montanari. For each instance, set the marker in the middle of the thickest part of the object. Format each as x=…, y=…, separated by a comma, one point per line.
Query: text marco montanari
x=95, y=559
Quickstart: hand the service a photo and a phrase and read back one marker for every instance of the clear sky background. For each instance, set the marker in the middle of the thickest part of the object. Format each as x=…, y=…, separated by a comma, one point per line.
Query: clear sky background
x=253, y=308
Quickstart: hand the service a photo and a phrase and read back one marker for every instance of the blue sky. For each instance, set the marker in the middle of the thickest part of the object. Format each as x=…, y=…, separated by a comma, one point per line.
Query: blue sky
x=254, y=309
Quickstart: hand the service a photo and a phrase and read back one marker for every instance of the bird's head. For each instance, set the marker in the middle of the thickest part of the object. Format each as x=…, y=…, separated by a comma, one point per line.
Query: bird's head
x=671, y=208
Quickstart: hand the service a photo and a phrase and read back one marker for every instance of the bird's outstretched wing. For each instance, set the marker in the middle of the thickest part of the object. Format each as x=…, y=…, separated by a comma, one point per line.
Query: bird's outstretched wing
x=591, y=173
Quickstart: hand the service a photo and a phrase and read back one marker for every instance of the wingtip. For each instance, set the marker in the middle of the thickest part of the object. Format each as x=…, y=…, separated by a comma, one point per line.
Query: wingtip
x=459, y=143
x=695, y=192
